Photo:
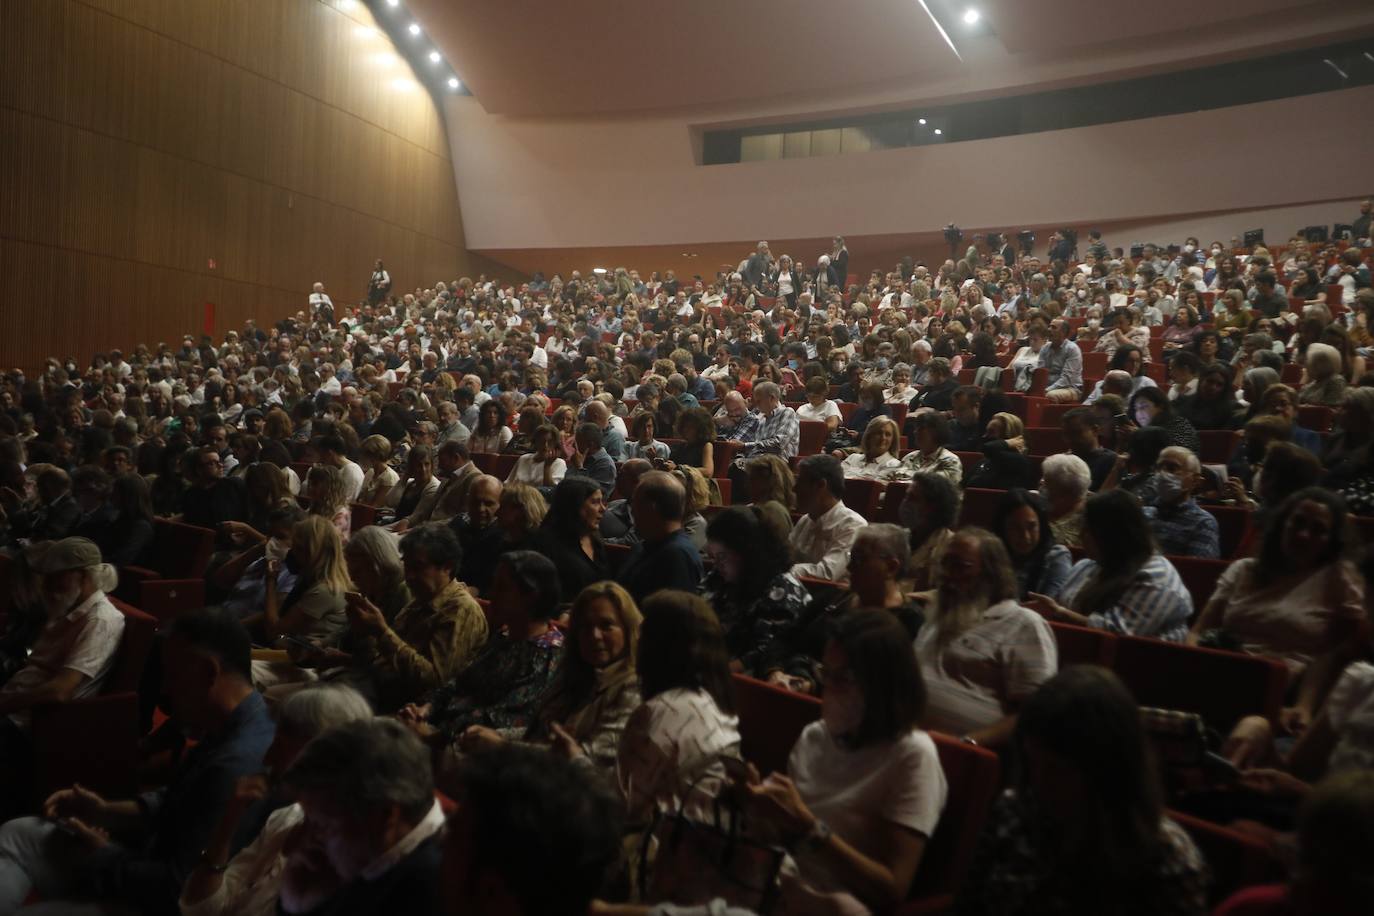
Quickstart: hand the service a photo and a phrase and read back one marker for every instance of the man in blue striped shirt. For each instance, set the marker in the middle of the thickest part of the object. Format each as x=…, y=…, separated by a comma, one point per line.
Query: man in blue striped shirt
x=1181, y=527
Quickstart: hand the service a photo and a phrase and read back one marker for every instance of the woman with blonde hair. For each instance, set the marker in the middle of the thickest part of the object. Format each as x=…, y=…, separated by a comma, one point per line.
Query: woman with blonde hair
x=770, y=479
x=564, y=420
x=328, y=493
x=521, y=512
x=698, y=497
x=1009, y=428
x=878, y=452
x=379, y=477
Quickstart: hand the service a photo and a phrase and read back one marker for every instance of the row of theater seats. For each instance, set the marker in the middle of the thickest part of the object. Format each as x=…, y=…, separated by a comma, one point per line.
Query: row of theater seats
x=771, y=719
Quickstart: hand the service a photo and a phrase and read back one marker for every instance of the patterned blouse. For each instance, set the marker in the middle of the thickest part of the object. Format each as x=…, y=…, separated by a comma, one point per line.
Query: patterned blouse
x=502, y=687
x=673, y=743
x=1013, y=874
x=750, y=628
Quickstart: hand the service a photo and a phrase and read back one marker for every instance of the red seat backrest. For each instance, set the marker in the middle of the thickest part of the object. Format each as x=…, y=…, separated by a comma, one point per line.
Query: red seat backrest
x=1199, y=577
x=980, y=507
x=813, y=436
x=972, y=774
x=1235, y=859
x=1045, y=441
x=862, y=495
x=1217, y=445
x=1316, y=417
x=182, y=551
x=1083, y=645
x=134, y=647
x=899, y=414
x=361, y=515
x=1233, y=523
x=1052, y=415
x=1095, y=363
x=770, y=721
x=1222, y=687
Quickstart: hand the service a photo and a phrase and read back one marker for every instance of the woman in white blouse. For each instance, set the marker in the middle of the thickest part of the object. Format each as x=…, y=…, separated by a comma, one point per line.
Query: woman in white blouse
x=379, y=478
x=541, y=467
x=818, y=405
x=865, y=788
x=1028, y=357
x=673, y=742
x=877, y=453
x=492, y=432
x=901, y=391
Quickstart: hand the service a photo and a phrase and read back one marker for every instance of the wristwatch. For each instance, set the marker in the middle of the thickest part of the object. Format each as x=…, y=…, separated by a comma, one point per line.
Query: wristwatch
x=815, y=838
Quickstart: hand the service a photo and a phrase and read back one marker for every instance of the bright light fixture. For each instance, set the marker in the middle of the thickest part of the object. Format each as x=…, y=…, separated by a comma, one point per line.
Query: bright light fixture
x=938, y=132
x=921, y=121
x=971, y=16
x=453, y=82
x=434, y=57
x=393, y=3
x=598, y=270
x=415, y=28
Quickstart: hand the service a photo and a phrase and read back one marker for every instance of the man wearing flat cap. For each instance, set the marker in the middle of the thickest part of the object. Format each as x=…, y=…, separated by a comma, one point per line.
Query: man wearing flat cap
x=76, y=648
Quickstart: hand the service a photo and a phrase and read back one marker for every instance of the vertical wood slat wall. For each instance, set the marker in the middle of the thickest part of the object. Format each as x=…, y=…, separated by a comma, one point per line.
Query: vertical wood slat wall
x=141, y=138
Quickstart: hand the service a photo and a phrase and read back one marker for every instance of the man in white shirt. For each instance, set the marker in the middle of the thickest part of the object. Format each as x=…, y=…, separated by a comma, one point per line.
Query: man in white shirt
x=321, y=303
x=332, y=452
x=823, y=536
x=77, y=646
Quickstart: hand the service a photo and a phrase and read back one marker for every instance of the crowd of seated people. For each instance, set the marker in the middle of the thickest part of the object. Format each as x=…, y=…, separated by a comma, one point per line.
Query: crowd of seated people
x=522, y=545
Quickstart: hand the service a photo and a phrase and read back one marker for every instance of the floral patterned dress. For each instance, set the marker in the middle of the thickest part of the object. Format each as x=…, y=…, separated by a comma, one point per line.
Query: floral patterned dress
x=751, y=627
x=502, y=687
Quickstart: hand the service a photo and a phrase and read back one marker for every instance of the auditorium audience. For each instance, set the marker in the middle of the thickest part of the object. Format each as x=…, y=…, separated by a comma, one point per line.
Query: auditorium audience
x=821, y=539
x=929, y=511
x=1064, y=484
x=877, y=454
x=571, y=534
x=1040, y=564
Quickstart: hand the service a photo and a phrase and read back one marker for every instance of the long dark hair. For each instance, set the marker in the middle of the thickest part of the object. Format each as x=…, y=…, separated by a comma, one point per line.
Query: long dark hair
x=1272, y=563
x=1088, y=719
x=565, y=507
x=681, y=645
x=1124, y=545
x=743, y=530
x=1011, y=501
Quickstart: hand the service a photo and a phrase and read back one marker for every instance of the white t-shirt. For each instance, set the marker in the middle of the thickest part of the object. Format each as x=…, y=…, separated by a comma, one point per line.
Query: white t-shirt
x=353, y=479
x=527, y=470
x=827, y=410
x=984, y=673
x=1351, y=711
x=898, y=782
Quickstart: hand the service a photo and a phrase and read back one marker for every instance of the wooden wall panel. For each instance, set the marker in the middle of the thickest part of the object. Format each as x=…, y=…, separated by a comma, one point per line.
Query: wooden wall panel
x=139, y=139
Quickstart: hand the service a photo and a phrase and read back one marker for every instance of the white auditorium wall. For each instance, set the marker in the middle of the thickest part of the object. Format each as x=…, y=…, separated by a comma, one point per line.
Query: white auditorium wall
x=530, y=183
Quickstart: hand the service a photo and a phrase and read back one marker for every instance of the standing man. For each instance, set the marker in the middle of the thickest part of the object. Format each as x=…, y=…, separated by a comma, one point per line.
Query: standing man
x=321, y=306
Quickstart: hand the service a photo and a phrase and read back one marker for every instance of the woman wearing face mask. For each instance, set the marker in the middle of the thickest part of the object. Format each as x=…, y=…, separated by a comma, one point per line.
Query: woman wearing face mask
x=241, y=579
x=858, y=847
x=750, y=586
x=1084, y=830
x=1123, y=585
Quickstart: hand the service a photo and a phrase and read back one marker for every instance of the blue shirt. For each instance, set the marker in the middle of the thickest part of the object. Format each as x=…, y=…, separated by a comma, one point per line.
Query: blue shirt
x=1155, y=602
x=673, y=562
x=1185, y=530
x=1065, y=365
x=182, y=816
x=600, y=468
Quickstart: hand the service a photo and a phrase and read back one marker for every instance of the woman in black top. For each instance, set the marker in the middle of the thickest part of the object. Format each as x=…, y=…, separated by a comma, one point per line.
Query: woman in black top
x=1152, y=407
x=571, y=534
x=131, y=532
x=696, y=430
x=1213, y=405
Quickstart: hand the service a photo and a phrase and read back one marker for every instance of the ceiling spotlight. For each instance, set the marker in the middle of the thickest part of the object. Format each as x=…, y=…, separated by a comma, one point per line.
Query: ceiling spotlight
x=415, y=28
x=938, y=131
x=393, y=3
x=453, y=82
x=434, y=57
x=598, y=270
x=971, y=16
x=921, y=121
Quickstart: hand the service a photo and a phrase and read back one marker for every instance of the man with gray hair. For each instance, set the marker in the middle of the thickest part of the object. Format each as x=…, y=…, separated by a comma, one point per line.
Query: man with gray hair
x=757, y=267
x=247, y=884
x=1181, y=527
x=370, y=839
x=1065, y=480
x=779, y=430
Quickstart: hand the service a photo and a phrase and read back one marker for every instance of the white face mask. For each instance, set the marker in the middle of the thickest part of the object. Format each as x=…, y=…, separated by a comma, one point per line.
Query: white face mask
x=1169, y=486
x=842, y=711
x=1216, y=251
x=1189, y=249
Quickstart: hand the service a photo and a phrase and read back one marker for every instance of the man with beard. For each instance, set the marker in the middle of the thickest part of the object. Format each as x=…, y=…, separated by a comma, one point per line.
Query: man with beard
x=76, y=648
x=981, y=652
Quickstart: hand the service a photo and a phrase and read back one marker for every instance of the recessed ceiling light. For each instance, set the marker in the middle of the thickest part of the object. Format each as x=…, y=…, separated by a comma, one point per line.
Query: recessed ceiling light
x=938, y=132
x=920, y=120
x=453, y=82
x=393, y=3
x=415, y=28
x=434, y=57
x=598, y=270
x=971, y=16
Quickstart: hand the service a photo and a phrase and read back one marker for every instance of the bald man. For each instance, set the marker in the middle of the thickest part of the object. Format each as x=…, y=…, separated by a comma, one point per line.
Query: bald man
x=478, y=532
x=612, y=440
x=665, y=556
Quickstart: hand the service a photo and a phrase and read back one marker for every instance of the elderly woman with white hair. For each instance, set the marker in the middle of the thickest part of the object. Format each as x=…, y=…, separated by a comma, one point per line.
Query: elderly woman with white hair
x=1065, y=480
x=249, y=882
x=1326, y=385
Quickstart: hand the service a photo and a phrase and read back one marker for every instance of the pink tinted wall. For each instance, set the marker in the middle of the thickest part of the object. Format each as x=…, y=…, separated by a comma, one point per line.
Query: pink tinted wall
x=557, y=183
